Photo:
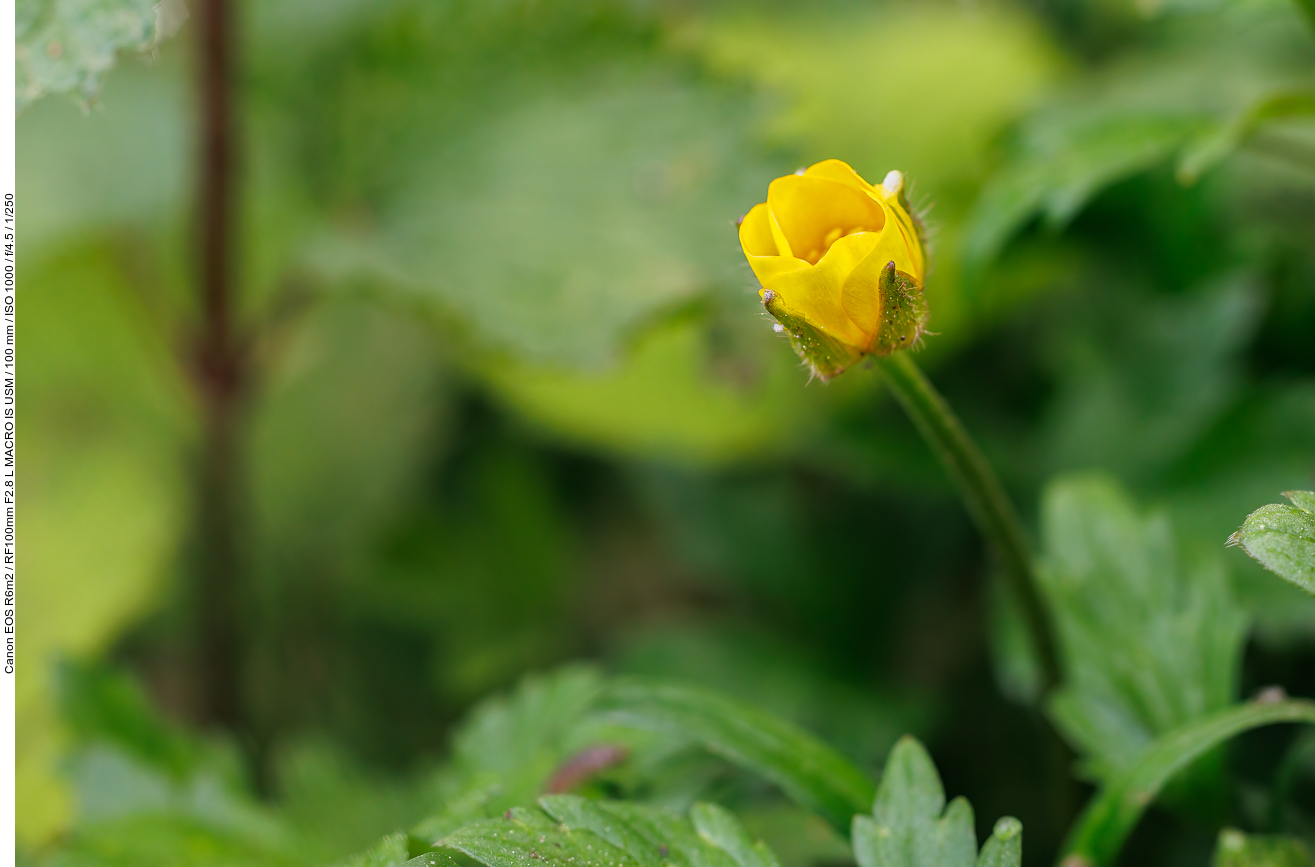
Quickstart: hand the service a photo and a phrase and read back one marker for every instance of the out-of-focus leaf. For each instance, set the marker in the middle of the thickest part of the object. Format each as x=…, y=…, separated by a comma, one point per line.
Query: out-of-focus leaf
x=1169, y=372
x=102, y=406
x=169, y=841
x=489, y=569
x=131, y=812
x=313, y=512
x=1217, y=145
x=807, y=770
x=1062, y=164
x=778, y=676
x=65, y=46
x=1150, y=640
x=717, y=826
x=562, y=224
x=100, y=704
x=1111, y=816
x=911, y=826
x=568, y=830
x=1236, y=849
x=1282, y=538
x=336, y=806
x=672, y=397
x=1135, y=114
x=126, y=165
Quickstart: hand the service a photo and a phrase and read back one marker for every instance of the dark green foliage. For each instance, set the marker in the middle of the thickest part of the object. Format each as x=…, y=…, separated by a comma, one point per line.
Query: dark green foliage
x=806, y=769
x=1152, y=637
x=1110, y=817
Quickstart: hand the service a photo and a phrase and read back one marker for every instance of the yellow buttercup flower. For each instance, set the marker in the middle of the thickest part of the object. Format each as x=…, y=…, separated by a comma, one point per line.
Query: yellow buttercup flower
x=841, y=263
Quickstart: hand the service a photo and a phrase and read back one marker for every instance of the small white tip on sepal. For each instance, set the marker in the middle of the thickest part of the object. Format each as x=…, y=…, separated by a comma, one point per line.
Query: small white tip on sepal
x=893, y=183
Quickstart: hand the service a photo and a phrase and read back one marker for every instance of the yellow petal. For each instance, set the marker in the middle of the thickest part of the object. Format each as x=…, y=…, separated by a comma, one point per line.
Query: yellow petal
x=841, y=172
x=814, y=292
x=808, y=209
x=762, y=242
x=756, y=233
x=768, y=268
x=860, y=296
x=917, y=261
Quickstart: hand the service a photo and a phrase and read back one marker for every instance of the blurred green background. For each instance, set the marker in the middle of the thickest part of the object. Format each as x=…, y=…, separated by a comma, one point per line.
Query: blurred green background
x=514, y=402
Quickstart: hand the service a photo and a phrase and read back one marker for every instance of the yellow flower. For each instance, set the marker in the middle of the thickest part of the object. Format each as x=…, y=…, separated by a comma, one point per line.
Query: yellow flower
x=841, y=264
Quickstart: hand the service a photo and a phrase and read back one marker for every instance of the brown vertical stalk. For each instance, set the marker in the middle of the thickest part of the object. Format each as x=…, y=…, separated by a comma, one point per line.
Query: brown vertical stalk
x=219, y=380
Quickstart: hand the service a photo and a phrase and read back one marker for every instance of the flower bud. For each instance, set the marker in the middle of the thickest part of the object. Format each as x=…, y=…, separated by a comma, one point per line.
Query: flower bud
x=841, y=264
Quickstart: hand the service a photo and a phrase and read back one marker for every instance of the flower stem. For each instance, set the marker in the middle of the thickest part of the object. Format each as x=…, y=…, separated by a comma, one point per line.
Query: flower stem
x=987, y=502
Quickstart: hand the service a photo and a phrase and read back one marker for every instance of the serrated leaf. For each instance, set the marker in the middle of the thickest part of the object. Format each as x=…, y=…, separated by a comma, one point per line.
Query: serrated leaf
x=509, y=746
x=1112, y=814
x=65, y=46
x=1282, y=538
x=910, y=825
x=805, y=768
x=719, y=827
x=569, y=831
x=1236, y=849
x=1005, y=848
x=1149, y=642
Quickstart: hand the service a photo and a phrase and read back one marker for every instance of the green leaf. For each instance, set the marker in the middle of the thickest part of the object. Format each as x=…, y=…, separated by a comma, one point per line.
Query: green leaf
x=1005, y=848
x=1282, y=538
x=556, y=227
x=1064, y=159
x=509, y=746
x=910, y=825
x=1111, y=816
x=1170, y=372
x=101, y=704
x=807, y=770
x=170, y=841
x=719, y=827
x=1134, y=115
x=1149, y=641
x=65, y=46
x=569, y=831
x=1217, y=145
x=1236, y=849
x=671, y=395
x=100, y=500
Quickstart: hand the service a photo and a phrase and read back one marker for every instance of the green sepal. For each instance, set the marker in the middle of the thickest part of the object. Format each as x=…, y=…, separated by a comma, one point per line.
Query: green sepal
x=825, y=356
x=904, y=312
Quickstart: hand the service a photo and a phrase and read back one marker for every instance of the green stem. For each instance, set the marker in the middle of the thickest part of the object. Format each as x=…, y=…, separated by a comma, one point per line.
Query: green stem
x=987, y=502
